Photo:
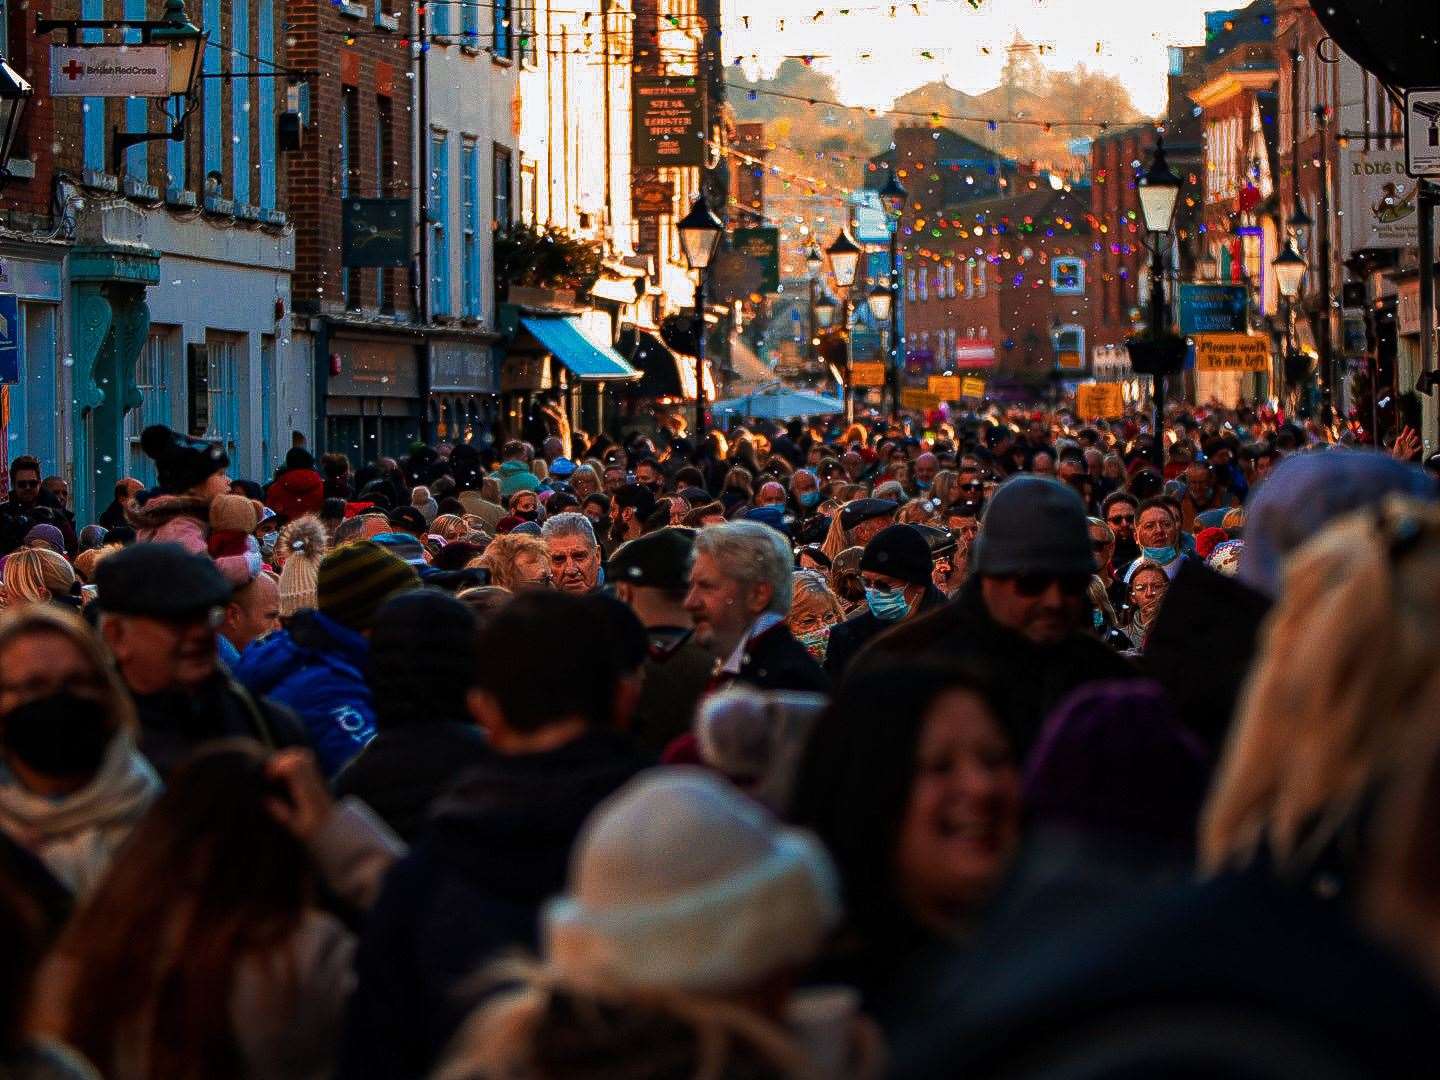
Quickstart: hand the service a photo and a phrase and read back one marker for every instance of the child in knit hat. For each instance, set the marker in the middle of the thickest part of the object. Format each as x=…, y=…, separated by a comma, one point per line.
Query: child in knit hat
x=301, y=546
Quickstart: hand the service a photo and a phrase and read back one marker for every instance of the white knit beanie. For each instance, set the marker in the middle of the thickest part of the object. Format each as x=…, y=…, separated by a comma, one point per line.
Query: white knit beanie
x=679, y=881
x=303, y=541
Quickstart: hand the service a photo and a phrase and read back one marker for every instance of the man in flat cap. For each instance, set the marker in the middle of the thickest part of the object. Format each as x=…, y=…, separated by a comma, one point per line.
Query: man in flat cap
x=160, y=608
x=651, y=574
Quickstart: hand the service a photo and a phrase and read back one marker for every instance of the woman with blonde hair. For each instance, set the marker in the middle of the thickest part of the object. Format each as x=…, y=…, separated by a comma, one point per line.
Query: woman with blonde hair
x=584, y=481
x=814, y=609
x=73, y=783
x=36, y=576
x=1344, y=680
x=517, y=561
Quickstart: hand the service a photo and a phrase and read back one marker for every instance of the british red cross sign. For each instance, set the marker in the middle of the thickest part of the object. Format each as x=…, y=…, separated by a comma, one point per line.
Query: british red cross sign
x=109, y=71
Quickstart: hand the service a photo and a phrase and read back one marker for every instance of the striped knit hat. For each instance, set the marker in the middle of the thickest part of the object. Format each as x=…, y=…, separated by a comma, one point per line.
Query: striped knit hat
x=356, y=579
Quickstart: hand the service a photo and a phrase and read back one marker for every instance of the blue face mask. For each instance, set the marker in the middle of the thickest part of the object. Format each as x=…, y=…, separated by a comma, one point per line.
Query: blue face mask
x=809, y=499
x=923, y=485
x=1161, y=555
x=888, y=606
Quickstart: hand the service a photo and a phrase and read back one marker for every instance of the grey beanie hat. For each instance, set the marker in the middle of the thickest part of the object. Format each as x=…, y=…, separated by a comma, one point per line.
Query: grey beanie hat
x=1034, y=525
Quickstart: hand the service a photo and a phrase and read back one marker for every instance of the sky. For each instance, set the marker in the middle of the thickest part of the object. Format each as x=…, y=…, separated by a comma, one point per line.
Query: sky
x=875, y=55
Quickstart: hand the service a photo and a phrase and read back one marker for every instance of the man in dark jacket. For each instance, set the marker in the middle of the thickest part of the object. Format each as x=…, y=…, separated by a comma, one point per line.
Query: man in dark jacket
x=1022, y=615
x=740, y=588
x=498, y=844
x=422, y=665
x=160, y=608
x=897, y=570
x=29, y=505
x=298, y=489
x=651, y=575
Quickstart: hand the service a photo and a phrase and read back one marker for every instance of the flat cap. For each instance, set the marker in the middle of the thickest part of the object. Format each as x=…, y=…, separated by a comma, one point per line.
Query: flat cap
x=942, y=541
x=659, y=560
x=159, y=581
x=866, y=510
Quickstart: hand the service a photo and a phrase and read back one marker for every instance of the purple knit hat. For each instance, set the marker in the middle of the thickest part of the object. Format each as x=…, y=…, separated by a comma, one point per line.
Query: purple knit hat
x=47, y=533
x=1114, y=758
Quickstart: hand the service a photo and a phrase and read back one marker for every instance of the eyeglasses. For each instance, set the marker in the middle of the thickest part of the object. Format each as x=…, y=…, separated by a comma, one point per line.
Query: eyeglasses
x=1148, y=590
x=1032, y=585
x=971, y=486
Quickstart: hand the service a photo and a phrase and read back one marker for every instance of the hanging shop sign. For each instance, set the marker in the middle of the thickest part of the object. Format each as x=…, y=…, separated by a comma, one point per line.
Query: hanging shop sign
x=869, y=374
x=109, y=71
x=919, y=400
x=1422, y=131
x=376, y=232
x=651, y=197
x=1232, y=352
x=762, y=244
x=945, y=387
x=668, y=121
x=972, y=388
x=1212, y=309
x=1103, y=400
x=1379, y=200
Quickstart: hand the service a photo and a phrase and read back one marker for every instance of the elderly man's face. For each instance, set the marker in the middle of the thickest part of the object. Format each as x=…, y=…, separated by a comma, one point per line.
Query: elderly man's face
x=771, y=494
x=722, y=607
x=926, y=466
x=1156, y=528
x=1200, y=483
x=574, y=563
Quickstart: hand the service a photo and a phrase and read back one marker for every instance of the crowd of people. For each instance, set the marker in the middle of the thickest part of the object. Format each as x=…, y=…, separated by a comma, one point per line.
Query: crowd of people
x=984, y=747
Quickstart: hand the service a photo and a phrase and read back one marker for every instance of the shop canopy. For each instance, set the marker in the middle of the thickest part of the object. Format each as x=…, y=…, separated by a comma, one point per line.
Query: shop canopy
x=780, y=403
x=667, y=372
x=562, y=337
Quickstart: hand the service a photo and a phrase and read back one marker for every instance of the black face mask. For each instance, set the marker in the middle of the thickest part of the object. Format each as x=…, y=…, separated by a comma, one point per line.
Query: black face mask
x=59, y=735
x=527, y=515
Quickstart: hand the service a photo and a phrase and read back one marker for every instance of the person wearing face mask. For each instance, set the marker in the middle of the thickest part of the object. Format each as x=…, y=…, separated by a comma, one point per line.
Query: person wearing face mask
x=814, y=612
x=804, y=494
x=1157, y=529
x=72, y=783
x=898, y=573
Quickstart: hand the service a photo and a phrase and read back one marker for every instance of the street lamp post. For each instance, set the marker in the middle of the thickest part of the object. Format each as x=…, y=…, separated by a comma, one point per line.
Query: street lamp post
x=699, y=236
x=894, y=197
x=844, y=256
x=813, y=263
x=882, y=308
x=1159, y=191
x=1289, y=268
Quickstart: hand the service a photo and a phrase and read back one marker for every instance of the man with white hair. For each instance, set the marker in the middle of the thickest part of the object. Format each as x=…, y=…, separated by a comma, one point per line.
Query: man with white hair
x=574, y=552
x=740, y=588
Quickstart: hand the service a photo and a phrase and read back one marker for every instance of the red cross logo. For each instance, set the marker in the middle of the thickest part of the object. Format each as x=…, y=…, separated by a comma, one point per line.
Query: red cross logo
x=73, y=70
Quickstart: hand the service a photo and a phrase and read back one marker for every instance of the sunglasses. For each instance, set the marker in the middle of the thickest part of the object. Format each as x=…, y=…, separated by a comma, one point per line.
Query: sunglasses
x=975, y=486
x=1122, y=519
x=1032, y=585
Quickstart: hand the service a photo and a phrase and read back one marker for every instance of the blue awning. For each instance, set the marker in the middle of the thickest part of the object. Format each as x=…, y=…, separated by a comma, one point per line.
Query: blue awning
x=568, y=344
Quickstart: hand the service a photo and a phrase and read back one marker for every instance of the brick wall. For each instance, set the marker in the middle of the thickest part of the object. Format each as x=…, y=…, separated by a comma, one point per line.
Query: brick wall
x=26, y=202
x=375, y=65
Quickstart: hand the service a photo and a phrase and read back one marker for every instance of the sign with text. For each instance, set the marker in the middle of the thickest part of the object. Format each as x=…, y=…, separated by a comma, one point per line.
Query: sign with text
x=973, y=388
x=1379, y=201
x=762, y=244
x=945, y=387
x=109, y=71
x=919, y=400
x=867, y=374
x=375, y=232
x=1102, y=400
x=1422, y=131
x=1232, y=352
x=9, y=338
x=649, y=198
x=668, y=121
x=1212, y=309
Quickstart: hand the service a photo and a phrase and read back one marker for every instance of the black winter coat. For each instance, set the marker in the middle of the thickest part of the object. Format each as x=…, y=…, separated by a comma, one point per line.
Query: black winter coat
x=1029, y=679
x=403, y=770
x=850, y=636
x=774, y=660
x=497, y=846
x=173, y=724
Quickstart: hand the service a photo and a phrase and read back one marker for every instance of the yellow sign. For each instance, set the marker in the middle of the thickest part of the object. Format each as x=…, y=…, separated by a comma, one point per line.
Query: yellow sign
x=1232, y=352
x=919, y=400
x=946, y=387
x=1102, y=400
x=971, y=387
x=1070, y=360
x=867, y=374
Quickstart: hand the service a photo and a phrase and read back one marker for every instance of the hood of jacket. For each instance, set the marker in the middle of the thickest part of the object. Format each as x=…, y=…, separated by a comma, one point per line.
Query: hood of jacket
x=120, y=792
x=312, y=638
x=509, y=823
x=161, y=509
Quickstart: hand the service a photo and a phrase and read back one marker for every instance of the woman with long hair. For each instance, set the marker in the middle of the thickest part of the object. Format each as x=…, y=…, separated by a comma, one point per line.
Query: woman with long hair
x=1344, y=679
x=204, y=951
x=36, y=575
x=72, y=783
x=912, y=782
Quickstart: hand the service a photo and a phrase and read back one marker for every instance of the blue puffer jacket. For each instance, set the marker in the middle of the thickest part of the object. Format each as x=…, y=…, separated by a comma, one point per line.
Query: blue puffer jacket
x=317, y=667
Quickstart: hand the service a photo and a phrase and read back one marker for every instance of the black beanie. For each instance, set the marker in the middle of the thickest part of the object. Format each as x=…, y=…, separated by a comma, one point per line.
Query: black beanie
x=422, y=659
x=297, y=457
x=181, y=462
x=899, y=551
